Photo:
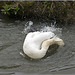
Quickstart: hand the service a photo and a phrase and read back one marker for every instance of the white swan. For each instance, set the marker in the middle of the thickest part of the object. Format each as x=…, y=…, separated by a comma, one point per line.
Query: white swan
x=36, y=44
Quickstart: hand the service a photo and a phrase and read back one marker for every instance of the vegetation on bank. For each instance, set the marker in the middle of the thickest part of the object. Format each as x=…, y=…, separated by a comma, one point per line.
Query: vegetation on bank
x=62, y=11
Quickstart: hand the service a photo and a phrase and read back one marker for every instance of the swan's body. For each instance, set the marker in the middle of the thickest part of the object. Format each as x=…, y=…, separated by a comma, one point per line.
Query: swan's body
x=36, y=44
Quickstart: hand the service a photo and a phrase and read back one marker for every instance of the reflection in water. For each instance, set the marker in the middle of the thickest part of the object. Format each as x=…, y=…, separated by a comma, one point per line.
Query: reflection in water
x=11, y=41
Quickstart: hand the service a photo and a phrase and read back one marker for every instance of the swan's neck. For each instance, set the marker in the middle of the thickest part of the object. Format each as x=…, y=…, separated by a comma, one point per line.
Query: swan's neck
x=46, y=44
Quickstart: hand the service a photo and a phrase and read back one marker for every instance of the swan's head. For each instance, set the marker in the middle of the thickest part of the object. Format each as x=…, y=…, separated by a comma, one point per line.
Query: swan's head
x=59, y=41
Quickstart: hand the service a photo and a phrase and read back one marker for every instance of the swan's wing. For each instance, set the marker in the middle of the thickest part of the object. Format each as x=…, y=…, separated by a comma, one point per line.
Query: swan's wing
x=29, y=36
x=43, y=36
x=32, y=34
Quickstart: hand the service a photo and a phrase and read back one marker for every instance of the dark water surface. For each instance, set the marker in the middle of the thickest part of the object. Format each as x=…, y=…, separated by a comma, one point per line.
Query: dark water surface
x=11, y=41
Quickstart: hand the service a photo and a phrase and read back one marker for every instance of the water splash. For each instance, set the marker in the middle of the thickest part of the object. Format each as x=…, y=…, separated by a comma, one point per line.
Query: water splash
x=30, y=23
x=52, y=28
x=27, y=27
x=44, y=27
